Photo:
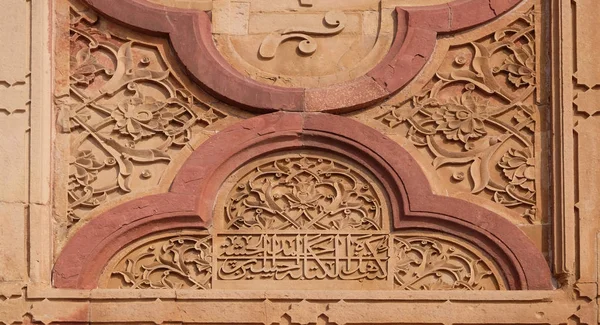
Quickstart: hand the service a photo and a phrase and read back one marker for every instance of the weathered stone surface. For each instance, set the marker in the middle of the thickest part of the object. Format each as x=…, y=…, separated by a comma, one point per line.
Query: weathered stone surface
x=466, y=160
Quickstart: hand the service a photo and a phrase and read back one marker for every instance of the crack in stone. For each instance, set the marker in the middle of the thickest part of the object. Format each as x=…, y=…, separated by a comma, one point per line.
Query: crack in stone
x=492, y=8
x=450, y=16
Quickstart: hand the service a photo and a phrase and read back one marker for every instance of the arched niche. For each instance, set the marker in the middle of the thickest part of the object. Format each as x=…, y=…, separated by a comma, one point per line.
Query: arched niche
x=408, y=237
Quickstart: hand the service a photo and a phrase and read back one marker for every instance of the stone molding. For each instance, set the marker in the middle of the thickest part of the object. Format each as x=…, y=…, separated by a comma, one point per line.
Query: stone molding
x=190, y=34
x=190, y=201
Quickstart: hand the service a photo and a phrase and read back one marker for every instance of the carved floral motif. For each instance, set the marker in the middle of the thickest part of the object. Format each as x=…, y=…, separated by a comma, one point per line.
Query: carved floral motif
x=481, y=114
x=177, y=262
x=429, y=263
x=127, y=114
x=304, y=192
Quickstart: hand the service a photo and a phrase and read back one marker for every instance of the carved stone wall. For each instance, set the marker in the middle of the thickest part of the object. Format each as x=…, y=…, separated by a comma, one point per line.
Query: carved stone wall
x=299, y=162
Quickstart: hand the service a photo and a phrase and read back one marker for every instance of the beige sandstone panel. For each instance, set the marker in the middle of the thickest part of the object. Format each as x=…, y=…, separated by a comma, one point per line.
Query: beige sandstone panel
x=14, y=138
x=303, y=44
x=585, y=123
x=15, y=32
x=587, y=68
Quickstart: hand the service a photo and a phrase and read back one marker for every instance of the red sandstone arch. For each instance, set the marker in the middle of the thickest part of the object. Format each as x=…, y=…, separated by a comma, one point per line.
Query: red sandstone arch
x=190, y=201
x=191, y=36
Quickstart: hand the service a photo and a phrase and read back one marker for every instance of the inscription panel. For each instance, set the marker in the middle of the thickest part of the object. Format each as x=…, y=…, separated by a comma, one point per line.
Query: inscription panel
x=287, y=257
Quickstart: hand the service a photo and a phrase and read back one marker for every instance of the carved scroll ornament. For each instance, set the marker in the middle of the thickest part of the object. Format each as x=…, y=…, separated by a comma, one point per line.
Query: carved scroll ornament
x=480, y=112
x=414, y=261
x=181, y=261
x=126, y=114
x=431, y=262
x=334, y=20
x=304, y=193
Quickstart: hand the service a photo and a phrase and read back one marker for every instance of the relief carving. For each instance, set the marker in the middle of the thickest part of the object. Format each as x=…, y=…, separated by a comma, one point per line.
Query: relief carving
x=427, y=262
x=303, y=257
x=172, y=262
x=335, y=21
x=127, y=115
x=304, y=193
x=478, y=116
x=305, y=220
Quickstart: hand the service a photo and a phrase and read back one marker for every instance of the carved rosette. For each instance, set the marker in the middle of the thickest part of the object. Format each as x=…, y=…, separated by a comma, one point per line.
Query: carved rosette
x=435, y=262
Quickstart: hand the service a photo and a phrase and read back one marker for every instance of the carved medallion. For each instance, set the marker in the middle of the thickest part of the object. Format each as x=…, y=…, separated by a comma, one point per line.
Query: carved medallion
x=304, y=193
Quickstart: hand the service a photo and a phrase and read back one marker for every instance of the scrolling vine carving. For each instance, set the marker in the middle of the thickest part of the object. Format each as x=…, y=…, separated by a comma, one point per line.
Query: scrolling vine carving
x=182, y=261
x=304, y=192
x=127, y=114
x=430, y=263
x=481, y=113
x=335, y=22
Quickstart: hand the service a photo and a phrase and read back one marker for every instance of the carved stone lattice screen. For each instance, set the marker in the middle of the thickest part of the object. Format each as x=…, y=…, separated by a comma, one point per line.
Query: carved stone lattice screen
x=311, y=162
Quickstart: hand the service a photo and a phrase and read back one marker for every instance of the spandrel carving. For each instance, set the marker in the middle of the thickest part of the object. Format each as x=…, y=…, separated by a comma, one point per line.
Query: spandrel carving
x=478, y=116
x=127, y=114
x=182, y=261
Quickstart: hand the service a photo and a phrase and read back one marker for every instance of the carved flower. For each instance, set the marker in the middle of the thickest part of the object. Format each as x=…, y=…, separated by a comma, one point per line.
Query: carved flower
x=462, y=119
x=141, y=117
x=519, y=167
x=68, y=117
x=83, y=169
x=304, y=195
x=520, y=66
x=84, y=67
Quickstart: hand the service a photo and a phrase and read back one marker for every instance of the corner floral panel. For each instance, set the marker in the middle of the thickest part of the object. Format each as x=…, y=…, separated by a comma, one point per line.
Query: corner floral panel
x=127, y=114
x=477, y=117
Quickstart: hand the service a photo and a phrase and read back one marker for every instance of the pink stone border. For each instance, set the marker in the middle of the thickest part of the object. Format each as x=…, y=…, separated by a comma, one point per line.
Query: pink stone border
x=191, y=36
x=190, y=201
